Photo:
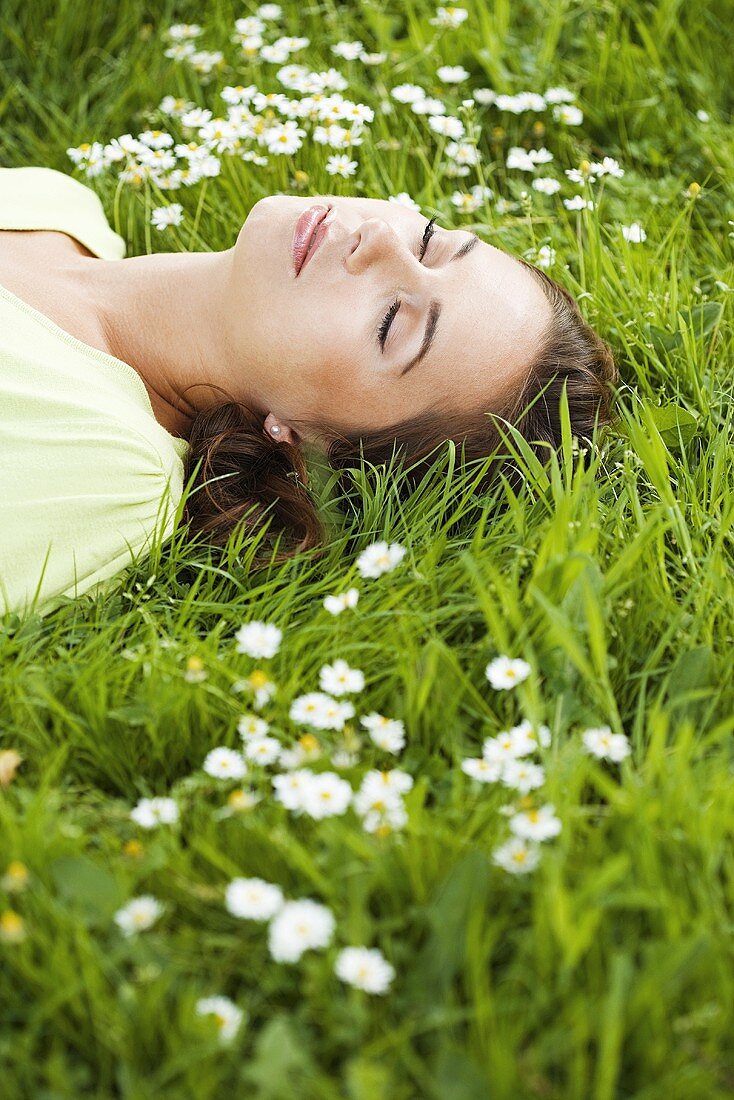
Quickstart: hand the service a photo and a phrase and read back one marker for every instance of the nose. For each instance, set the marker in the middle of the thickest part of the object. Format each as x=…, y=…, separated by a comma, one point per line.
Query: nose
x=375, y=242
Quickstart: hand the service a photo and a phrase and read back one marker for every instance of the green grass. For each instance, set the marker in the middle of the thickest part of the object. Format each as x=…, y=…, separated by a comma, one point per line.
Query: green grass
x=605, y=973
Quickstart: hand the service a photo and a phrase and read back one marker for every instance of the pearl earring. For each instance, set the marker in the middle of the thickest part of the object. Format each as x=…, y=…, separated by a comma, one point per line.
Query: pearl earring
x=275, y=429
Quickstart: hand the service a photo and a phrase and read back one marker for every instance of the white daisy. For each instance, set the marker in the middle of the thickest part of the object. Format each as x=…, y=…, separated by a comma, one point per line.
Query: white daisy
x=150, y=812
x=291, y=789
x=539, y=735
x=568, y=115
x=319, y=710
x=139, y=913
x=546, y=185
x=253, y=898
x=558, y=95
x=258, y=639
x=298, y=926
x=545, y=256
x=448, y=16
x=604, y=744
x=340, y=603
x=404, y=199
x=341, y=165
x=537, y=825
x=262, y=750
x=365, y=968
x=634, y=233
x=451, y=74
x=250, y=725
x=163, y=216
x=224, y=763
x=227, y=1015
x=578, y=202
x=519, y=159
x=326, y=795
x=408, y=93
x=447, y=126
x=340, y=679
x=379, y=558
x=522, y=776
x=387, y=733
x=505, y=672
x=486, y=771
x=517, y=856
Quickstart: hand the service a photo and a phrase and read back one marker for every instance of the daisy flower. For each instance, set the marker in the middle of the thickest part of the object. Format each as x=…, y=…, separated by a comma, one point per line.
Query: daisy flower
x=379, y=558
x=336, y=604
x=253, y=898
x=226, y=1013
x=340, y=679
x=486, y=771
x=262, y=750
x=317, y=709
x=250, y=725
x=163, y=216
x=365, y=968
x=448, y=16
x=150, y=812
x=522, y=775
x=299, y=926
x=451, y=74
x=634, y=233
x=536, y=825
x=568, y=115
x=341, y=165
x=517, y=856
x=505, y=672
x=224, y=763
x=139, y=913
x=605, y=745
x=546, y=185
x=290, y=789
x=258, y=639
x=387, y=733
x=326, y=795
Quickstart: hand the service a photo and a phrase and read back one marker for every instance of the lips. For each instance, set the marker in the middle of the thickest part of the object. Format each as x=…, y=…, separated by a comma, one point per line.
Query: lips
x=308, y=234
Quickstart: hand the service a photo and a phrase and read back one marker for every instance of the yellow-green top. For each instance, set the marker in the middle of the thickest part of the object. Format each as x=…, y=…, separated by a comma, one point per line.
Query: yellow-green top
x=87, y=474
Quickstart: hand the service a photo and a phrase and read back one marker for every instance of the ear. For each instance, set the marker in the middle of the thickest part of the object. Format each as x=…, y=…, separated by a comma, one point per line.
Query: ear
x=285, y=435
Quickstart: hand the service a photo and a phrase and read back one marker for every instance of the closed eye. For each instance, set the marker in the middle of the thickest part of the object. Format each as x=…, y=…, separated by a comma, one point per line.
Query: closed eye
x=391, y=313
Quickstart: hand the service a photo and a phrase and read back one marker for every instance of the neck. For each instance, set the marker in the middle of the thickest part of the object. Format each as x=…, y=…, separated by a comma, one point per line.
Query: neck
x=166, y=315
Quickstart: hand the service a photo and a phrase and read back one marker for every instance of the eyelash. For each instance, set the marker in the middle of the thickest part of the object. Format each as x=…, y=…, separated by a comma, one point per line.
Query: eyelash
x=387, y=319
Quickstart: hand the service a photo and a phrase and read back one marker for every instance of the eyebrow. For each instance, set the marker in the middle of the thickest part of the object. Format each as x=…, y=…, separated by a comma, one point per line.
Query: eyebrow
x=434, y=310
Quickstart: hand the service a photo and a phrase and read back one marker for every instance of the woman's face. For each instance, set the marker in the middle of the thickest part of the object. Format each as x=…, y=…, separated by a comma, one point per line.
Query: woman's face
x=311, y=340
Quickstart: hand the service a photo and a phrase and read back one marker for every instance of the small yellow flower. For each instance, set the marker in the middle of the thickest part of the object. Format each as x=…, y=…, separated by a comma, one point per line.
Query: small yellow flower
x=258, y=679
x=16, y=876
x=694, y=189
x=538, y=128
x=309, y=743
x=133, y=848
x=9, y=761
x=12, y=927
x=195, y=671
x=240, y=800
x=585, y=167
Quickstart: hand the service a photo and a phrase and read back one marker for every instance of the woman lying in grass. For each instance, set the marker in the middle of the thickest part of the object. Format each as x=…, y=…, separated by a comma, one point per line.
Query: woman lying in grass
x=331, y=322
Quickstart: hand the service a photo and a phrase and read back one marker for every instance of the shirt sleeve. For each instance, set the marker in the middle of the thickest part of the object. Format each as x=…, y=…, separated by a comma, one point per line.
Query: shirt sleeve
x=71, y=526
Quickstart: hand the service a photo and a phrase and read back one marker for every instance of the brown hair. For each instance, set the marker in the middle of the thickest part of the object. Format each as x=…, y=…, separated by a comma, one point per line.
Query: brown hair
x=247, y=477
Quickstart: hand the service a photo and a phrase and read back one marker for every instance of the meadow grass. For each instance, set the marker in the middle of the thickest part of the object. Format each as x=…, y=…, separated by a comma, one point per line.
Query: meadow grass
x=605, y=972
